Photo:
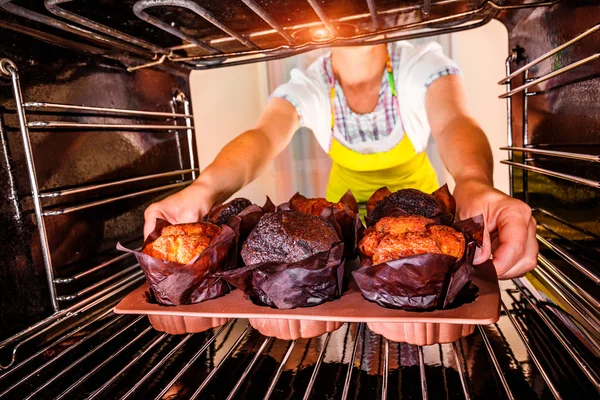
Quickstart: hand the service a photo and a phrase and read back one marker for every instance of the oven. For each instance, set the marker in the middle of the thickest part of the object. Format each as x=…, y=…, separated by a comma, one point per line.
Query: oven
x=96, y=123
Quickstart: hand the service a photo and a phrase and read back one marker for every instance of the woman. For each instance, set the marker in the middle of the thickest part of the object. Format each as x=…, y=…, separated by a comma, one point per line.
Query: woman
x=372, y=109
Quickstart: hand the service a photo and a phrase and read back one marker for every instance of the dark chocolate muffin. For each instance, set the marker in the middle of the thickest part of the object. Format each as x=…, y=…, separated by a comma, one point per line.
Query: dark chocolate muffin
x=222, y=214
x=410, y=201
x=288, y=237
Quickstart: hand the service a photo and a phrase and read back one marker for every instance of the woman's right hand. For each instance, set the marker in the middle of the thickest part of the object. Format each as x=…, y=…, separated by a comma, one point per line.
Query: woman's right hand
x=187, y=205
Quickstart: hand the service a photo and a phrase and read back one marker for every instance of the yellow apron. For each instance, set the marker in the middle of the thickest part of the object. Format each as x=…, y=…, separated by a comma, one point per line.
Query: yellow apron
x=398, y=168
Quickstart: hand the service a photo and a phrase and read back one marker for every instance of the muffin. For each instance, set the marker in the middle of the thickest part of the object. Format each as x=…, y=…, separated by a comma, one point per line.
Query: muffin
x=222, y=213
x=392, y=238
x=181, y=243
x=288, y=237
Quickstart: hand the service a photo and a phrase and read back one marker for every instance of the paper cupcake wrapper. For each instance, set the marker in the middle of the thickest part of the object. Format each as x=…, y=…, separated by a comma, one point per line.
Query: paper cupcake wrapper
x=422, y=282
x=174, y=283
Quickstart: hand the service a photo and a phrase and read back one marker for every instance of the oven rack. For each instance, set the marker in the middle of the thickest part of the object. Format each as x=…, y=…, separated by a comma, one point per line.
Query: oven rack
x=152, y=55
x=573, y=282
x=120, y=345
x=122, y=272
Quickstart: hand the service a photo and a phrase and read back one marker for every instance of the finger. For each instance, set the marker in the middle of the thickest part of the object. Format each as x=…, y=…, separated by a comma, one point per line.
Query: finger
x=529, y=259
x=513, y=234
x=150, y=215
x=483, y=253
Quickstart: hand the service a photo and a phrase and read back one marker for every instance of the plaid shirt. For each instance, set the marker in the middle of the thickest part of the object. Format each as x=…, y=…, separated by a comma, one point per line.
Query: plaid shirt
x=356, y=129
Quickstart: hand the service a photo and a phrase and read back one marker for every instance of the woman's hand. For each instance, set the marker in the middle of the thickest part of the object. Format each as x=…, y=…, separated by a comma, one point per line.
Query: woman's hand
x=509, y=227
x=188, y=205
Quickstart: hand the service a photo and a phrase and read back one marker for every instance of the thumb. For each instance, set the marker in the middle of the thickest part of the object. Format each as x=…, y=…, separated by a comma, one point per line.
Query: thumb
x=150, y=215
x=483, y=253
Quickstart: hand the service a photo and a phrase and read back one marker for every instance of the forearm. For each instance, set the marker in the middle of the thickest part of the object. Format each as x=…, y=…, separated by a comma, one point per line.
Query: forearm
x=240, y=162
x=465, y=150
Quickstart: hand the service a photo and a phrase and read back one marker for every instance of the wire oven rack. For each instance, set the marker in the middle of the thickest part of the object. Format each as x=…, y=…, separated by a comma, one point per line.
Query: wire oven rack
x=279, y=41
x=179, y=178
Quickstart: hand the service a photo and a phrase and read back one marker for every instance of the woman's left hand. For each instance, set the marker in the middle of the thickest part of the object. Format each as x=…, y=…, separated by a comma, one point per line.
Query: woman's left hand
x=509, y=227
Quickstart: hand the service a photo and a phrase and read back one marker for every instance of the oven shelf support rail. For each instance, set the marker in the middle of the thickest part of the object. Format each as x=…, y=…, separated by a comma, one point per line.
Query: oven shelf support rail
x=9, y=69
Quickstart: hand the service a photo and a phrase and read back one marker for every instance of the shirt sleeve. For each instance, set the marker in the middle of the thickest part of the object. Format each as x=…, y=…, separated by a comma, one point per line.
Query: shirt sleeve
x=429, y=64
x=309, y=98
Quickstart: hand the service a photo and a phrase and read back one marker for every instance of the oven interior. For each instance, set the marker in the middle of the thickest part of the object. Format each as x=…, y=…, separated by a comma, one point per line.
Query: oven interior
x=96, y=123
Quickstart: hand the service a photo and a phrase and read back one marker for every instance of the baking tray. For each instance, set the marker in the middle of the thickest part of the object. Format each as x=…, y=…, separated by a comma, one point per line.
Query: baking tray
x=422, y=328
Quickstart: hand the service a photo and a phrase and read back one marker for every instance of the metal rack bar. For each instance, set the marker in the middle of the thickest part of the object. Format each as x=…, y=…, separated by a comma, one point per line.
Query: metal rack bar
x=460, y=367
x=588, y=371
x=66, y=351
x=85, y=356
x=71, y=125
x=258, y=353
x=553, y=153
x=315, y=372
x=58, y=317
x=359, y=331
x=560, y=175
x=569, y=299
x=156, y=366
x=495, y=362
x=509, y=140
x=103, y=282
x=552, y=52
x=426, y=7
x=83, y=189
x=97, y=367
x=76, y=30
x=193, y=359
x=109, y=382
x=67, y=210
x=59, y=341
x=287, y=355
x=7, y=67
x=94, y=269
x=568, y=283
x=531, y=353
x=386, y=369
x=258, y=10
x=567, y=257
x=322, y=16
x=213, y=372
x=140, y=6
x=182, y=98
x=422, y=371
x=551, y=75
x=373, y=12
x=123, y=111
x=52, y=6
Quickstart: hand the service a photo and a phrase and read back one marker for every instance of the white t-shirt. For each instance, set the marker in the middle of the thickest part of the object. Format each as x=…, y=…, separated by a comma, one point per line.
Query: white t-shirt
x=414, y=69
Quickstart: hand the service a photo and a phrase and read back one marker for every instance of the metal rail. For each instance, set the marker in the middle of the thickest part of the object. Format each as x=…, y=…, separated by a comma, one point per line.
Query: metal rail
x=386, y=369
x=140, y=6
x=313, y=376
x=322, y=16
x=531, y=353
x=551, y=75
x=8, y=68
x=572, y=178
x=553, y=153
x=422, y=371
x=52, y=6
x=287, y=355
x=588, y=370
x=103, y=282
x=240, y=381
x=567, y=257
x=83, y=189
x=359, y=331
x=460, y=366
x=182, y=98
x=92, y=126
x=107, y=110
x=53, y=212
x=94, y=269
x=495, y=362
x=552, y=52
x=258, y=10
